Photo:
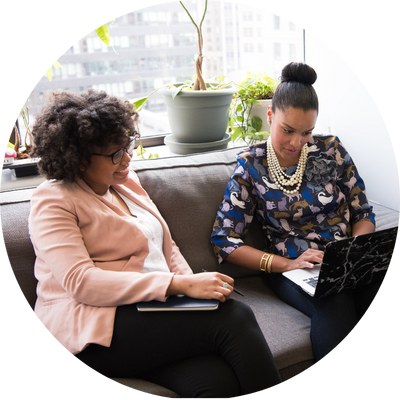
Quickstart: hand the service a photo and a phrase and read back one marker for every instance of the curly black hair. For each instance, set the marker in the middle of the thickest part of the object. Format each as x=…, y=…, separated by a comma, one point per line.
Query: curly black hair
x=71, y=125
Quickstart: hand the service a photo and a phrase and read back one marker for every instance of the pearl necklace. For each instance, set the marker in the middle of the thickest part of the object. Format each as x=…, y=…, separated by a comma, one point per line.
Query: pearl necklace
x=281, y=178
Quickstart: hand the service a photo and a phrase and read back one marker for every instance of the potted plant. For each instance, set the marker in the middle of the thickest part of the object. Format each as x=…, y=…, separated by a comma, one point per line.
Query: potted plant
x=248, y=112
x=198, y=111
x=20, y=162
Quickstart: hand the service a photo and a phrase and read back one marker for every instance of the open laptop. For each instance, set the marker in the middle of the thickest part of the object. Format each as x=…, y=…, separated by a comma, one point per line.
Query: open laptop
x=348, y=263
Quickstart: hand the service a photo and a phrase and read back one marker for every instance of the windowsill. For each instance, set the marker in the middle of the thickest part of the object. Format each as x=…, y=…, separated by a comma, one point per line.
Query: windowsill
x=10, y=182
x=153, y=140
x=153, y=145
x=162, y=150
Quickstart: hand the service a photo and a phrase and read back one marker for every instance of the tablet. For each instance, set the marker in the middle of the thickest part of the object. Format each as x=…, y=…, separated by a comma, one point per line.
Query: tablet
x=178, y=303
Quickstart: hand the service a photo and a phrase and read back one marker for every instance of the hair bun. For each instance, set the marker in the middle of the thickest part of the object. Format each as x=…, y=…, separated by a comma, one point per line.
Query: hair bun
x=298, y=72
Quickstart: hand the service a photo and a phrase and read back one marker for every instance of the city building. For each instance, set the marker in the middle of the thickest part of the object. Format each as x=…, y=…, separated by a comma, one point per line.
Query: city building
x=158, y=45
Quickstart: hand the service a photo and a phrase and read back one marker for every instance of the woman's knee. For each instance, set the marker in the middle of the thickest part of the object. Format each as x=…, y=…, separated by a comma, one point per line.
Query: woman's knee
x=237, y=310
x=203, y=376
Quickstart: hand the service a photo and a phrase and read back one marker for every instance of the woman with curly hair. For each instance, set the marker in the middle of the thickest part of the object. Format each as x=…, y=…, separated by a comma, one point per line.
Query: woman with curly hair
x=102, y=246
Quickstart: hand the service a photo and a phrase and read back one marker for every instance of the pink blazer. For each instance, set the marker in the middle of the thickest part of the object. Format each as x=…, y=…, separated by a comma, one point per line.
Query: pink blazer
x=89, y=258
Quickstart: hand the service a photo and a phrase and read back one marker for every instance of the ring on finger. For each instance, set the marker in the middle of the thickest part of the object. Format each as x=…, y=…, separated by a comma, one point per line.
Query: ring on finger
x=225, y=285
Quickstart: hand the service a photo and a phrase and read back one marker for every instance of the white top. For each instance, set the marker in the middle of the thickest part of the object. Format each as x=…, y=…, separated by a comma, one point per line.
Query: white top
x=152, y=229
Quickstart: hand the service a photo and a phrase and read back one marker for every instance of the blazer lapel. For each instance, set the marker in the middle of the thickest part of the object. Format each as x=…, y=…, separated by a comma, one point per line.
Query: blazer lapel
x=134, y=191
x=85, y=187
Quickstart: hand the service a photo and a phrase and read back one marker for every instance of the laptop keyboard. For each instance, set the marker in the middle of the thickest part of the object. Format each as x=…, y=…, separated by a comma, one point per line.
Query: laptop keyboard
x=312, y=281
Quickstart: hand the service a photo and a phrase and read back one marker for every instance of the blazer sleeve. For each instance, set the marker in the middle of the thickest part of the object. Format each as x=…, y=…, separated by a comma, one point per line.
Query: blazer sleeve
x=61, y=252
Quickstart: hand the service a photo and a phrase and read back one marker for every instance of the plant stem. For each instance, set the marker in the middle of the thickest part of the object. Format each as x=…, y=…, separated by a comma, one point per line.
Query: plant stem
x=199, y=83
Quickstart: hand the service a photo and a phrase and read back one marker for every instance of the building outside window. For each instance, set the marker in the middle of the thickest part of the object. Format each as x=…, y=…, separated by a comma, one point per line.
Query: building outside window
x=158, y=45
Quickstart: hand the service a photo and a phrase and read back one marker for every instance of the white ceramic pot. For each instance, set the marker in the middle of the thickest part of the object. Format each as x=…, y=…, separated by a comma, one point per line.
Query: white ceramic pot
x=260, y=110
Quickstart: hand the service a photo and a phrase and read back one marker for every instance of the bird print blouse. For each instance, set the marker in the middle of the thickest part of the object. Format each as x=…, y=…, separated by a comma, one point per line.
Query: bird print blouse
x=330, y=200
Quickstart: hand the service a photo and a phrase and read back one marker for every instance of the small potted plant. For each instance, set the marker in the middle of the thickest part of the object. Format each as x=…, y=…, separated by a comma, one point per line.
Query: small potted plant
x=248, y=111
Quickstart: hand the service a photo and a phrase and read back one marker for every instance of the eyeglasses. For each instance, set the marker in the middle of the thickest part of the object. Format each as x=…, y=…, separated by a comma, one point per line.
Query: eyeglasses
x=119, y=154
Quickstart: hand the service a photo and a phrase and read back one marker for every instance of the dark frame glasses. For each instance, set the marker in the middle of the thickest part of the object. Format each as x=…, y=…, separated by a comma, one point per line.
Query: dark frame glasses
x=117, y=156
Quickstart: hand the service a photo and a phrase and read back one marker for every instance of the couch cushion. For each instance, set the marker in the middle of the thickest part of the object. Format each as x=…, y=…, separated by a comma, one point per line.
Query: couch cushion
x=385, y=216
x=15, y=207
x=286, y=329
x=188, y=191
x=147, y=387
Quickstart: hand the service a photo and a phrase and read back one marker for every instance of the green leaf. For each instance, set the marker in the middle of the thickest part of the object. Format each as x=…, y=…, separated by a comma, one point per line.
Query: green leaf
x=49, y=72
x=220, y=78
x=239, y=108
x=140, y=150
x=176, y=90
x=250, y=82
x=104, y=34
x=256, y=123
x=57, y=65
x=240, y=119
x=140, y=103
x=10, y=145
x=237, y=132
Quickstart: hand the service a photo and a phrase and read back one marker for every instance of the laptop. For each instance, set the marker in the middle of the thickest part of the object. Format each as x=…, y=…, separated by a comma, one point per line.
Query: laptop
x=348, y=263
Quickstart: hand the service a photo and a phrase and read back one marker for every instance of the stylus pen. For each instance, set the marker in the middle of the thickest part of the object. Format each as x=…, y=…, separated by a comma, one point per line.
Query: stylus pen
x=235, y=290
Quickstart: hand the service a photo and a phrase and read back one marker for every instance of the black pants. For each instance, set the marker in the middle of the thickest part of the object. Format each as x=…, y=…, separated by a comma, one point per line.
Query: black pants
x=220, y=353
x=332, y=317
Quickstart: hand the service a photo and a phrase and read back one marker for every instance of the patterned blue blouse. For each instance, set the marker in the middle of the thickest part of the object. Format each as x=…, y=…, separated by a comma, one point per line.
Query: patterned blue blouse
x=330, y=200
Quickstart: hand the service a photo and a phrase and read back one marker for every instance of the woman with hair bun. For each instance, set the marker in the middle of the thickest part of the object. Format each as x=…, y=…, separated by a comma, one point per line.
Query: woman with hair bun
x=306, y=191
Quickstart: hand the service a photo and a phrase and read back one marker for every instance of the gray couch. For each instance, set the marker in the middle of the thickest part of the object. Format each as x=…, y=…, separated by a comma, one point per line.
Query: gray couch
x=188, y=190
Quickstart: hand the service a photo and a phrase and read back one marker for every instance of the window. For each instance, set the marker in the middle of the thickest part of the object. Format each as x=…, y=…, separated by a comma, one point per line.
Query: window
x=277, y=22
x=277, y=51
x=158, y=45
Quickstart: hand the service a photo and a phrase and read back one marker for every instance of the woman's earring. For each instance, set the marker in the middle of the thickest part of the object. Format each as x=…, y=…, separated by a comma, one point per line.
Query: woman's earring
x=269, y=114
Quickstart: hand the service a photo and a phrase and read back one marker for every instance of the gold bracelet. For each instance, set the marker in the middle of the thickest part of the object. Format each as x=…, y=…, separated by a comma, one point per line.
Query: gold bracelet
x=265, y=257
x=269, y=266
